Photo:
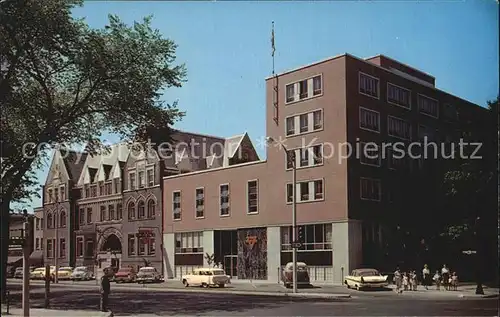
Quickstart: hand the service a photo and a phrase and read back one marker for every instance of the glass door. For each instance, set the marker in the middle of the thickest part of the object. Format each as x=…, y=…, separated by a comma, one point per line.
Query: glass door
x=230, y=265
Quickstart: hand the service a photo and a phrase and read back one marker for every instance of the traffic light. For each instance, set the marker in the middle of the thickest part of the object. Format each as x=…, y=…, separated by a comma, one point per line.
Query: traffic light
x=300, y=234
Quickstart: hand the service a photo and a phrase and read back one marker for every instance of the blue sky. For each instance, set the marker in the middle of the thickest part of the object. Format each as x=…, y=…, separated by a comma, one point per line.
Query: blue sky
x=226, y=48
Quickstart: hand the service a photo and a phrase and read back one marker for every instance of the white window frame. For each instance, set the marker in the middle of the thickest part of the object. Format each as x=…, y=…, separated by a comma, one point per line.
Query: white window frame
x=310, y=123
x=394, y=103
x=362, y=155
x=196, y=201
x=228, y=201
x=359, y=85
x=173, y=202
x=286, y=126
x=248, y=197
x=311, y=191
x=369, y=110
x=310, y=89
x=361, y=189
x=130, y=180
x=397, y=136
x=426, y=114
x=310, y=156
x=143, y=171
x=147, y=180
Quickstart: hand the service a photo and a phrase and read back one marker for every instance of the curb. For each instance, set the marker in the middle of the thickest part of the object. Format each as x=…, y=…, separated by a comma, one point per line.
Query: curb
x=478, y=296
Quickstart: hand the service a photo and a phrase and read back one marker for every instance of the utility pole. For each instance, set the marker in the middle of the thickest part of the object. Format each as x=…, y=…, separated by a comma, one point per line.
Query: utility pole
x=27, y=245
x=56, y=247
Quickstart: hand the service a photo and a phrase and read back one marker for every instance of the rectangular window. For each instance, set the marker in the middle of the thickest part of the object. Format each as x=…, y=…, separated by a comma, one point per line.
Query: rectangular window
x=87, y=191
x=176, y=205
x=397, y=160
x=317, y=154
x=89, y=215
x=314, y=237
x=189, y=242
x=131, y=244
x=101, y=188
x=50, y=248
x=89, y=248
x=141, y=179
x=119, y=211
x=304, y=191
x=304, y=157
x=224, y=200
x=303, y=89
x=317, y=120
x=369, y=120
x=200, y=202
x=151, y=177
x=49, y=193
x=290, y=126
x=368, y=85
x=81, y=216
x=37, y=244
x=369, y=154
x=318, y=189
x=111, y=212
x=398, y=128
x=63, y=193
x=62, y=248
x=116, y=181
x=290, y=92
x=142, y=247
x=108, y=188
x=56, y=194
x=370, y=189
x=428, y=106
x=37, y=224
x=317, y=85
x=131, y=177
x=151, y=246
x=252, y=197
x=289, y=193
x=290, y=159
x=103, y=213
x=399, y=96
x=304, y=123
x=93, y=191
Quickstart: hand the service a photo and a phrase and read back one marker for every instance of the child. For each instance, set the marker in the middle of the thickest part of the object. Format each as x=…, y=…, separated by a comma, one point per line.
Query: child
x=437, y=280
x=454, y=281
x=405, y=281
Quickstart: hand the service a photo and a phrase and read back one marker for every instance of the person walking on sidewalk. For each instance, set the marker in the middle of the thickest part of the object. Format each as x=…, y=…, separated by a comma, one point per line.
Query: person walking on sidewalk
x=398, y=280
x=445, y=277
x=426, y=277
x=105, y=290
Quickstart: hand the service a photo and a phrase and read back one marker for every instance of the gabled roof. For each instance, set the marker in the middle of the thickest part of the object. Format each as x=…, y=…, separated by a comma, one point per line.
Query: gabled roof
x=116, y=152
x=74, y=162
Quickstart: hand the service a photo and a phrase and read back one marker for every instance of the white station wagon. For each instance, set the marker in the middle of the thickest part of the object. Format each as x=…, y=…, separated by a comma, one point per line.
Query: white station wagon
x=206, y=277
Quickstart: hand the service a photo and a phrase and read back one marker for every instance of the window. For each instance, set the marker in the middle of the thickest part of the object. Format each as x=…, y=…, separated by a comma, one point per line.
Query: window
x=311, y=156
x=290, y=92
x=111, y=212
x=93, y=191
x=151, y=177
x=50, y=221
x=89, y=215
x=131, y=210
x=369, y=154
x=141, y=179
x=315, y=237
x=37, y=224
x=368, y=85
x=289, y=193
x=303, y=93
x=131, y=181
x=189, y=242
x=396, y=161
x=317, y=120
x=103, y=213
x=152, y=245
x=87, y=191
x=63, y=193
x=119, y=211
x=304, y=123
x=398, y=128
x=50, y=248
x=131, y=244
x=142, y=247
x=316, y=85
x=290, y=159
x=56, y=194
x=117, y=185
x=141, y=210
x=49, y=193
x=200, y=202
x=176, y=202
x=318, y=189
x=304, y=191
x=101, y=188
x=62, y=219
x=370, y=189
x=81, y=216
x=62, y=248
x=89, y=250
x=304, y=157
x=369, y=120
x=317, y=154
x=224, y=199
x=252, y=197
x=290, y=126
x=151, y=209
x=424, y=131
x=108, y=188
x=37, y=244
x=428, y=106
x=399, y=96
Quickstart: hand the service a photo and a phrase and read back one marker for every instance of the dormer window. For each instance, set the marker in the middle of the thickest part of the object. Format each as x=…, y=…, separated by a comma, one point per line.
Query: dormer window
x=87, y=191
x=62, y=193
x=49, y=194
x=141, y=179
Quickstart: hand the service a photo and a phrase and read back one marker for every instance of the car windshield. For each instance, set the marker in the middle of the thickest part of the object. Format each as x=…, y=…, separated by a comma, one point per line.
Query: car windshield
x=218, y=272
x=124, y=270
x=368, y=273
x=146, y=270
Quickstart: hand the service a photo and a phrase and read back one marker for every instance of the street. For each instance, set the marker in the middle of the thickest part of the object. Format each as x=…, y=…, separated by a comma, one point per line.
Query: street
x=152, y=302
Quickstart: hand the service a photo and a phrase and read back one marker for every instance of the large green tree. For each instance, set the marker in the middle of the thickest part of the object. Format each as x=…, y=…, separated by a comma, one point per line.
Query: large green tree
x=63, y=82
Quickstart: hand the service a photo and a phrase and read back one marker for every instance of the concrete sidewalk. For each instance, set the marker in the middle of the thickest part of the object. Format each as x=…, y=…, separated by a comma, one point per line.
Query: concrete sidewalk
x=35, y=312
x=465, y=291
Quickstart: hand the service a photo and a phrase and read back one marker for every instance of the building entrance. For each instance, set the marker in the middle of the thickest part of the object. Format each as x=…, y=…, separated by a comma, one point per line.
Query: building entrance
x=231, y=265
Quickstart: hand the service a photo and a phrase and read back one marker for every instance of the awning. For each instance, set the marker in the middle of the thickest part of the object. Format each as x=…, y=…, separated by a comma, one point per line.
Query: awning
x=12, y=260
x=36, y=258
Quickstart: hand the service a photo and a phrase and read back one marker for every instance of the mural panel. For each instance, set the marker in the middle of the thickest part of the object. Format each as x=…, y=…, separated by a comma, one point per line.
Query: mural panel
x=252, y=253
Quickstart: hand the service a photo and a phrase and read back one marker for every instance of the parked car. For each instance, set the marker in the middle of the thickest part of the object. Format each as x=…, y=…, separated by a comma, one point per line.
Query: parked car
x=365, y=278
x=64, y=273
x=18, y=273
x=148, y=274
x=81, y=273
x=39, y=273
x=302, y=274
x=112, y=270
x=206, y=277
x=125, y=275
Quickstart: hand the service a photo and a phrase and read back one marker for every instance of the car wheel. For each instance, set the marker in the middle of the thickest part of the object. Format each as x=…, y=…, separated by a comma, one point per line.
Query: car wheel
x=357, y=287
x=221, y=285
x=204, y=285
x=185, y=282
x=347, y=284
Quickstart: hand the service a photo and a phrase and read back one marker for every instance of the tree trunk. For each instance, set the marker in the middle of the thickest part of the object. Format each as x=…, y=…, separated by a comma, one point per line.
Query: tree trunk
x=4, y=217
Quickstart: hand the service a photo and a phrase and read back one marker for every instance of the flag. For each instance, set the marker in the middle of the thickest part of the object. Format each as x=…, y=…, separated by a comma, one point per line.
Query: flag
x=273, y=48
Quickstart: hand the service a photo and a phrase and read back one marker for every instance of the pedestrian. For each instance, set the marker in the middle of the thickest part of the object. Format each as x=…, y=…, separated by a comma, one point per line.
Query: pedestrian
x=437, y=280
x=410, y=280
x=426, y=277
x=105, y=290
x=445, y=277
x=398, y=280
x=405, y=281
x=454, y=281
x=414, y=280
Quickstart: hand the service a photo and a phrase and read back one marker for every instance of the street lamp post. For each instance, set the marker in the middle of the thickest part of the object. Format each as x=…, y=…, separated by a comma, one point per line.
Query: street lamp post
x=294, y=211
x=56, y=247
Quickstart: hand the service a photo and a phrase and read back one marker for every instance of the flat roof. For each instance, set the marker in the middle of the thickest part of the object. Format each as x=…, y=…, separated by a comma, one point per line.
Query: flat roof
x=215, y=169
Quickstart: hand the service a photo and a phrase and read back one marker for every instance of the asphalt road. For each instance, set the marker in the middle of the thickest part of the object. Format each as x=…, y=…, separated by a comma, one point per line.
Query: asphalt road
x=149, y=302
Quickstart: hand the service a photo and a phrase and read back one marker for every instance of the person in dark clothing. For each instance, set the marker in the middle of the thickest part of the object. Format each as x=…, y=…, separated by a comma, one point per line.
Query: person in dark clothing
x=105, y=290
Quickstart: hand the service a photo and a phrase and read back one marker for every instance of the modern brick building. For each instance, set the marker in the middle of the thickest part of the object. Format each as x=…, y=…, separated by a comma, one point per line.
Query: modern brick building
x=241, y=213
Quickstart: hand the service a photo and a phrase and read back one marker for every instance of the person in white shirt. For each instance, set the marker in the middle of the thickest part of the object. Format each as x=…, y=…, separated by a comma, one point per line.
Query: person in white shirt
x=426, y=277
x=445, y=276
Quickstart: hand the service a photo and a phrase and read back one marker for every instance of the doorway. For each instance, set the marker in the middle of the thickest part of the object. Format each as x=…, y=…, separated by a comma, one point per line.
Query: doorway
x=230, y=265
x=115, y=263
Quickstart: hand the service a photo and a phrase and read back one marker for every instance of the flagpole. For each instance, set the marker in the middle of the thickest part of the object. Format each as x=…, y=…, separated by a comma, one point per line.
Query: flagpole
x=275, y=92
x=272, y=44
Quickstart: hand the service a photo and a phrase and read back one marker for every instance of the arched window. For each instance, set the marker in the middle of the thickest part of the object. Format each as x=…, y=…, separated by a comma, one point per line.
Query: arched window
x=141, y=209
x=131, y=210
x=50, y=221
x=62, y=219
x=151, y=209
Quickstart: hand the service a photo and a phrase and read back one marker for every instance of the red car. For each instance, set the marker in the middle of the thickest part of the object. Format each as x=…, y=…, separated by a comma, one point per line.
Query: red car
x=125, y=275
